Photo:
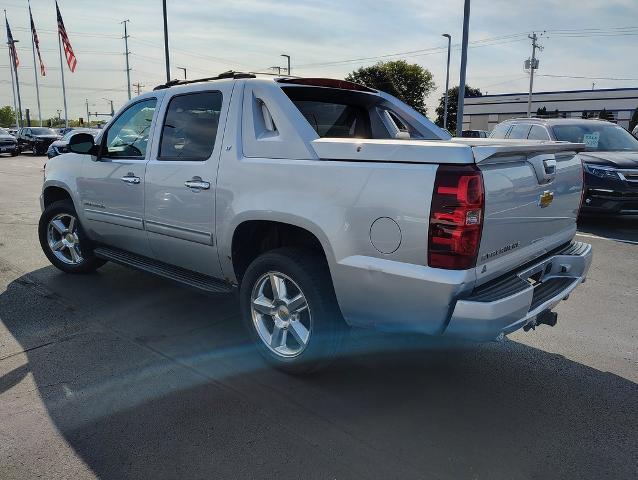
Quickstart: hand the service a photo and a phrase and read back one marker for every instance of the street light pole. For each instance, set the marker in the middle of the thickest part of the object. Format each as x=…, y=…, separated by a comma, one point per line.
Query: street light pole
x=166, y=56
x=461, y=100
x=287, y=58
x=182, y=68
x=447, y=77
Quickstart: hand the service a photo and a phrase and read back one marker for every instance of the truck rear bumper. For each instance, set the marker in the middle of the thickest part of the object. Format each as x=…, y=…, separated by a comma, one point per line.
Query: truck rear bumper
x=510, y=302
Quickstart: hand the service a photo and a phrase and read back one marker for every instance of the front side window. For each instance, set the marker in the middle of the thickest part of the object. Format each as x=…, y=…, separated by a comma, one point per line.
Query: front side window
x=190, y=126
x=127, y=137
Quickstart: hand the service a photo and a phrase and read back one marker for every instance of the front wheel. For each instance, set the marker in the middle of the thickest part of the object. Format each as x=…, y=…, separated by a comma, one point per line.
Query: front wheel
x=290, y=311
x=63, y=241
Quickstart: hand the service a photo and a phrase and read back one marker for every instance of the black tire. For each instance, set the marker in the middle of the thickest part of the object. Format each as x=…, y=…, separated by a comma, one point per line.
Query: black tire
x=89, y=262
x=310, y=273
x=15, y=153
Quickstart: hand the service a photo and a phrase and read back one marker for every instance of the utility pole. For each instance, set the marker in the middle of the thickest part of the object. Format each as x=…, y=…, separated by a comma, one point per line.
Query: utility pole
x=461, y=101
x=447, y=78
x=126, y=53
x=287, y=58
x=88, y=114
x=138, y=87
x=184, y=69
x=277, y=68
x=533, y=65
x=166, y=56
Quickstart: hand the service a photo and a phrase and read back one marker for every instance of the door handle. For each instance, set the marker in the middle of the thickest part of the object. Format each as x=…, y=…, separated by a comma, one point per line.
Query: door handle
x=197, y=183
x=131, y=179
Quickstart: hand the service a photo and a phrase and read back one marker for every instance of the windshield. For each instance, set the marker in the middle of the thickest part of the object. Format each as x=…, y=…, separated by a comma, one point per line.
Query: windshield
x=597, y=137
x=43, y=131
x=3, y=132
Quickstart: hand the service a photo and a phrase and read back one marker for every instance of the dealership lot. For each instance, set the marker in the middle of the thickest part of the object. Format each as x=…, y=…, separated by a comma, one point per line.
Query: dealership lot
x=122, y=375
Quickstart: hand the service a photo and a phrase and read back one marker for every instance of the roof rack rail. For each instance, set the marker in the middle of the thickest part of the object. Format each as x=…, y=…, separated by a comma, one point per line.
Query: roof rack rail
x=228, y=74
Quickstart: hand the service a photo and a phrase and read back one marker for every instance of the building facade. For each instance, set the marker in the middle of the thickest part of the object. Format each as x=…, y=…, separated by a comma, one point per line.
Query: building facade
x=484, y=113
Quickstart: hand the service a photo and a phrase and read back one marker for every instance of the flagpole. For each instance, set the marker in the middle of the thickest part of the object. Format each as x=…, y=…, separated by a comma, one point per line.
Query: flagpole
x=13, y=90
x=13, y=85
x=66, y=116
x=12, y=60
x=35, y=70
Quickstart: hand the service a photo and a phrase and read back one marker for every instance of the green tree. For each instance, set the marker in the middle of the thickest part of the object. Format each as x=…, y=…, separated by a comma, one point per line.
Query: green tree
x=605, y=115
x=409, y=82
x=7, y=116
x=541, y=112
x=634, y=121
x=453, y=100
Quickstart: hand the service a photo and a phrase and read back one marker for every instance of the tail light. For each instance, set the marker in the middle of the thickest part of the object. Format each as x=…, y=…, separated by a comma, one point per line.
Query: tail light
x=456, y=217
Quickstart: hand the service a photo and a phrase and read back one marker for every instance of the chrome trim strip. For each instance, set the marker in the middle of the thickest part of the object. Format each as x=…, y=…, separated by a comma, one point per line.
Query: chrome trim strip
x=114, y=218
x=197, y=236
x=633, y=173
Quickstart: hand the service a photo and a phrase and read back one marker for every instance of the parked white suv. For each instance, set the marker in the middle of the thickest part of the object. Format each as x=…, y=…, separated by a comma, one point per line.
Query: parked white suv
x=326, y=204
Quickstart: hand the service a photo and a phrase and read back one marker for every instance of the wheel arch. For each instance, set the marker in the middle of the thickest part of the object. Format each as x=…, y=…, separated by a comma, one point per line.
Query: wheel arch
x=54, y=192
x=253, y=236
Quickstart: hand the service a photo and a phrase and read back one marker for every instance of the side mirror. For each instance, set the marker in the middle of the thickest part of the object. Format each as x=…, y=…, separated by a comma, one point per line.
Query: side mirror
x=83, y=143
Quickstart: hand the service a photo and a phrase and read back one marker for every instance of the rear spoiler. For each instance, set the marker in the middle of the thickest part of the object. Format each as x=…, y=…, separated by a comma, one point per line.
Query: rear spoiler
x=488, y=148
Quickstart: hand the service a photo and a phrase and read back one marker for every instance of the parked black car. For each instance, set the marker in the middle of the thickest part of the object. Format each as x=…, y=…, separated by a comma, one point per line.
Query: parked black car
x=36, y=139
x=8, y=143
x=474, y=134
x=610, y=159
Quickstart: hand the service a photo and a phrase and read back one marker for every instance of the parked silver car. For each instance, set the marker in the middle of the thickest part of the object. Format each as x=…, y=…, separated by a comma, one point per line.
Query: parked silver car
x=323, y=203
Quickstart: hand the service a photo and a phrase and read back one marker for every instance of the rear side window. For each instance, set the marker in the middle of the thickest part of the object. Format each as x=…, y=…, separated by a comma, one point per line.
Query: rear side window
x=335, y=120
x=538, y=133
x=500, y=131
x=520, y=131
x=190, y=126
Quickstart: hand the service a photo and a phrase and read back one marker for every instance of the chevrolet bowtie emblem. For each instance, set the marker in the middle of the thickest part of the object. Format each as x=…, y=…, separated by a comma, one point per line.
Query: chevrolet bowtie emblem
x=546, y=198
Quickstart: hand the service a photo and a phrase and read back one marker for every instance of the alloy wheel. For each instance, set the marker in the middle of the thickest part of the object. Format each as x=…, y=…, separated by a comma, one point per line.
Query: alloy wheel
x=280, y=314
x=62, y=238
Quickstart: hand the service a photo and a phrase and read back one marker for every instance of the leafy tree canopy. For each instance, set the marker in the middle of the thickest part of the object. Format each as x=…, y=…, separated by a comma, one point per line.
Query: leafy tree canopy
x=453, y=100
x=409, y=82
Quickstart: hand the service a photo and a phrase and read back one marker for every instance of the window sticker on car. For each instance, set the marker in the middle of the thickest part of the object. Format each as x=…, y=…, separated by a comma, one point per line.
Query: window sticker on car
x=591, y=139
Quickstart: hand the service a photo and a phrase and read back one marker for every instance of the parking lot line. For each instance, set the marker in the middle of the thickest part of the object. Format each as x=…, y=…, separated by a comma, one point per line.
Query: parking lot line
x=589, y=235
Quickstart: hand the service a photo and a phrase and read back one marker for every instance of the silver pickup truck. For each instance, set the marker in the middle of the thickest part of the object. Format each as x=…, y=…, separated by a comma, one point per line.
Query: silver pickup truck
x=324, y=204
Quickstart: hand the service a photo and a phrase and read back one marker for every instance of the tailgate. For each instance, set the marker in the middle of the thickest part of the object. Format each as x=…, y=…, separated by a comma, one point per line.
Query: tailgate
x=532, y=196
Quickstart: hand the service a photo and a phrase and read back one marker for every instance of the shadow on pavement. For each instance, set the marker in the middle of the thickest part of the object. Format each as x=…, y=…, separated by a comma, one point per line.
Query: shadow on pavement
x=620, y=227
x=146, y=380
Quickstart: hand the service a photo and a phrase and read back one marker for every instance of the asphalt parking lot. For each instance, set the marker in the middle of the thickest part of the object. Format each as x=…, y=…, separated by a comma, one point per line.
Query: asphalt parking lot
x=121, y=375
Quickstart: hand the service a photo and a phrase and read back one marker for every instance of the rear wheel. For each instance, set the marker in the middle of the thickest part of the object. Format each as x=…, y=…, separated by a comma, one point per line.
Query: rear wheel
x=290, y=310
x=63, y=241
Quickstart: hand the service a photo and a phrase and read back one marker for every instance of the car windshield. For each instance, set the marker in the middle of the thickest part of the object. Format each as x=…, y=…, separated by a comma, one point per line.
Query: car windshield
x=597, y=137
x=42, y=131
x=3, y=132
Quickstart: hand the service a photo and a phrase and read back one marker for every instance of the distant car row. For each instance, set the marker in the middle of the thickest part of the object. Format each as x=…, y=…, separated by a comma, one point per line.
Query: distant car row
x=38, y=140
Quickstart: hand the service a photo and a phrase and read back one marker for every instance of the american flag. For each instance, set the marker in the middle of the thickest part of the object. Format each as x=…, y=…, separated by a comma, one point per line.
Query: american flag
x=66, y=44
x=12, y=46
x=36, y=42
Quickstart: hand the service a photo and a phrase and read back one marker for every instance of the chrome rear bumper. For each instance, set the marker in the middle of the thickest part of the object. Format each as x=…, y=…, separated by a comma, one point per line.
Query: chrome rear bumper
x=511, y=302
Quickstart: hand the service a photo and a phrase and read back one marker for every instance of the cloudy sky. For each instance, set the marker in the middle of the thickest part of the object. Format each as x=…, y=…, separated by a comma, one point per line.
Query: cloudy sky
x=583, y=38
